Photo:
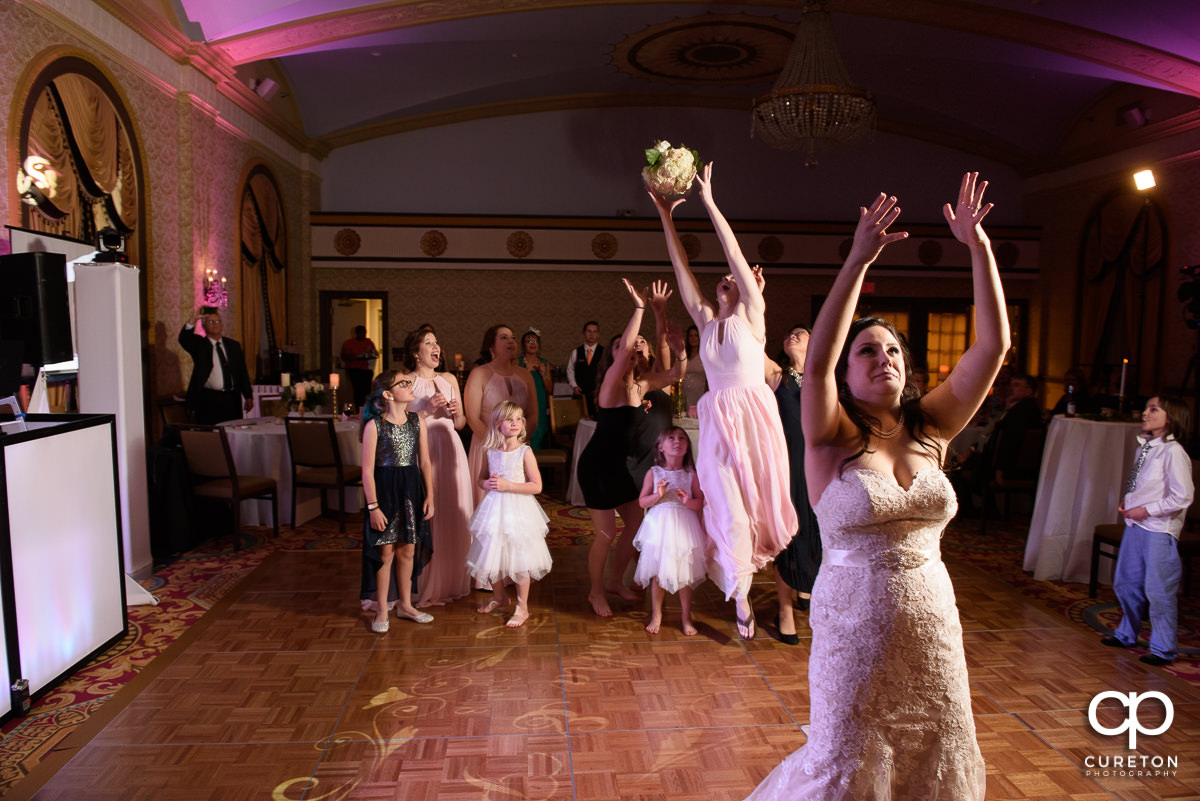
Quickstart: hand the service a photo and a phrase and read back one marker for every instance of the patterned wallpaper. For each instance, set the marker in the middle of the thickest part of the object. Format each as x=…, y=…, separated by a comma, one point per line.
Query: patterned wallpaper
x=195, y=147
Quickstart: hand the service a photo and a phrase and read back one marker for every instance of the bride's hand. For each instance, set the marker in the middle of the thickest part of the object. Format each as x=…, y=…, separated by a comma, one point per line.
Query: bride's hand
x=966, y=217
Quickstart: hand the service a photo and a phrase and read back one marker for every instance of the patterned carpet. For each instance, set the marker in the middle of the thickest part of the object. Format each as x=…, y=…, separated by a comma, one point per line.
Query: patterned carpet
x=192, y=584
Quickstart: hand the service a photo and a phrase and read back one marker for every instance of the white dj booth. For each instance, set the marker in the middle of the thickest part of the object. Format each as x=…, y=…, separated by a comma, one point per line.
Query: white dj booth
x=75, y=519
x=62, y=583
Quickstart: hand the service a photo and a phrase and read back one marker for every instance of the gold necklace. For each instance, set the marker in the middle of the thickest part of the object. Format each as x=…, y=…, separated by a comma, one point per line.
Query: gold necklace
x=888, y=434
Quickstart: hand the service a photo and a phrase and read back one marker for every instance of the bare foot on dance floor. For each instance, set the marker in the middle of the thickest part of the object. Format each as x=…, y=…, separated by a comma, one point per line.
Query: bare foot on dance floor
x=519, y=617
x=655, y=624
x=623, y=592
x=688, y=629
x=599, y=604
x=492, y=606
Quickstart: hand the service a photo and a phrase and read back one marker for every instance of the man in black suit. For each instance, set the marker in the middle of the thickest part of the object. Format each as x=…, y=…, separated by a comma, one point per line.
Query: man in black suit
x=219, y=379
x=582, y=363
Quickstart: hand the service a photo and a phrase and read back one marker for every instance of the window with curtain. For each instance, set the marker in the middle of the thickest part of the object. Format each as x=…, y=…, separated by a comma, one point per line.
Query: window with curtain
x=79, y=171
x=263, y=237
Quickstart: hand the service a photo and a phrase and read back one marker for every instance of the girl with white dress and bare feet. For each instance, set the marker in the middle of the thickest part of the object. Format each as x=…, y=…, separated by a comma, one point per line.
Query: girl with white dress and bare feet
x=509, y=526
x=671, y=539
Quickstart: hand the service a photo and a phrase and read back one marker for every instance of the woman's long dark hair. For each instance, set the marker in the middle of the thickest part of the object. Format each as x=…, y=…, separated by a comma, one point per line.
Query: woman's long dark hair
x=913, y=416
x=489, y=342
x=783, y=360
x=412, y=344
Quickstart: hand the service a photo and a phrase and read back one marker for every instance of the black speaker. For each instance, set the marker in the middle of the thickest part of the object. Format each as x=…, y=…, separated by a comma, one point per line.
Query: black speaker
x=37, y=311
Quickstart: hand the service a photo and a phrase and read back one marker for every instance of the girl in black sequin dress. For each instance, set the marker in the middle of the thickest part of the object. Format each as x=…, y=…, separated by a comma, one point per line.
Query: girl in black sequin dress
x=398, y=485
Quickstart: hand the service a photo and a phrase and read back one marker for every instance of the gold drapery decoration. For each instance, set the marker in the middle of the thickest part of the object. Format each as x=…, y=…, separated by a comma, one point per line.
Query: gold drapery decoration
x=263, y=266
x=77, y=141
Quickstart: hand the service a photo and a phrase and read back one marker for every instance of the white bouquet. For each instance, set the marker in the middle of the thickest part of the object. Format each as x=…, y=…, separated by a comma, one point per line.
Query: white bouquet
x=670, y=170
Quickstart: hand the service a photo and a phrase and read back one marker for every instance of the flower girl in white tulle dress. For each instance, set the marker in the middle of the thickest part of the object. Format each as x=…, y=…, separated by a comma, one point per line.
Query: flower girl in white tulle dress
x=509, y=527
x=671, y=538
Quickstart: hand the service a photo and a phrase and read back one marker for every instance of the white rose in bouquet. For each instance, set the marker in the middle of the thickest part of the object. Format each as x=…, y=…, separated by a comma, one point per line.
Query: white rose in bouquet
x=670, y=170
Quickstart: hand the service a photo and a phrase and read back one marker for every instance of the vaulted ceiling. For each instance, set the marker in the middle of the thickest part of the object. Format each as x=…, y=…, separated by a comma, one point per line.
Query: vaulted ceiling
x=1008, y=79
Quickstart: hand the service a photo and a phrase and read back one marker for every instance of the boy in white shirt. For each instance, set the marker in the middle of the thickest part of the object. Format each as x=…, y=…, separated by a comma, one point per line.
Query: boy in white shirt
x=1156, y=499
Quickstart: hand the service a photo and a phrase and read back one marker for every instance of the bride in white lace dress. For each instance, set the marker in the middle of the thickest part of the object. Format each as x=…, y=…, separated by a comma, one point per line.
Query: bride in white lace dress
x=890, y=702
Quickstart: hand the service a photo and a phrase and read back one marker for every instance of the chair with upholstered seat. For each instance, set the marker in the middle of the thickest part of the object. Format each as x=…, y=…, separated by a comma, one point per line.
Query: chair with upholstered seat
x=565, y=414
x=317, y=462
x=210, y=462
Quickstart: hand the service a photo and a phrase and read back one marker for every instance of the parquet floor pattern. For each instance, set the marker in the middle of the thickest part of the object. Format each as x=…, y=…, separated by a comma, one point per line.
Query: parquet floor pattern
x=282, y=692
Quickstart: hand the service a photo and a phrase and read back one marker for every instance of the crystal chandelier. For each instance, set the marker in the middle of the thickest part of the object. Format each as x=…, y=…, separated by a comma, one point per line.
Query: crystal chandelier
x=813, y=105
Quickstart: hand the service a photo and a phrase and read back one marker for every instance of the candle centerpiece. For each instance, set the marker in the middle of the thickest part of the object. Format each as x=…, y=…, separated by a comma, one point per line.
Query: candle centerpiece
x=306, y=396
x=1121, y=391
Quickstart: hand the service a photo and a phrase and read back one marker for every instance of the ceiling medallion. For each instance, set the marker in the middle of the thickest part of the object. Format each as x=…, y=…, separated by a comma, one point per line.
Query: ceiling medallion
x=713, y=49
x=770, y=248
x=433, y=243
x=347, y=242
x=691, y=245
x=604, y=246
x=520, y=244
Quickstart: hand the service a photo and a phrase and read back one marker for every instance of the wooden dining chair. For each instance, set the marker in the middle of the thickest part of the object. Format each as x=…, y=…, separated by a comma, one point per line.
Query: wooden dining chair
x=565, y=414
x=1106, y=543
x=317, y=462
x=209, y=460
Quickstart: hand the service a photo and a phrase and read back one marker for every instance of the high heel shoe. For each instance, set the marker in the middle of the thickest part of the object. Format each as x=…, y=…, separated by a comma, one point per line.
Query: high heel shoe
x=786, y=639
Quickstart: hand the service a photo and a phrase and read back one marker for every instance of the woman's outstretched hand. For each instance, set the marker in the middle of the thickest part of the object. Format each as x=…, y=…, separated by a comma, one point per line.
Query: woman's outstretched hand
x=966, y=216
x=659, y=294
x=665, y=207
x=704, y=178
x=872, y=235
x=639, y=298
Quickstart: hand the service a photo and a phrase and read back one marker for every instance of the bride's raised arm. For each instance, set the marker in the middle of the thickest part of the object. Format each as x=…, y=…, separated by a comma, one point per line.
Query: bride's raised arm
x=822, y=417
x=954, y=402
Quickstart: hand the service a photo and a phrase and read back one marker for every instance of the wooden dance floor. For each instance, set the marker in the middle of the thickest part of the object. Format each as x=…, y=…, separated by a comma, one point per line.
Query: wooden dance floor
x=282, y=692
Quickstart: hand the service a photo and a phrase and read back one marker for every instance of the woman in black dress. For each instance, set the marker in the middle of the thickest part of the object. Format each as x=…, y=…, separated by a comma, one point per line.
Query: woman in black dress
x=796, y=566
x=604, y=468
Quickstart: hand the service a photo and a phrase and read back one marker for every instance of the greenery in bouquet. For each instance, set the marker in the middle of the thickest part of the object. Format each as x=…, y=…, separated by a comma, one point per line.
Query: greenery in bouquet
x=670, y=170
x=307, y=394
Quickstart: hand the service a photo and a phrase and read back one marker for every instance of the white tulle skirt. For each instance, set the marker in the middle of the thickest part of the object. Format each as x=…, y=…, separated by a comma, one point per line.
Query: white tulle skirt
x=673, y=548
x=508, y=539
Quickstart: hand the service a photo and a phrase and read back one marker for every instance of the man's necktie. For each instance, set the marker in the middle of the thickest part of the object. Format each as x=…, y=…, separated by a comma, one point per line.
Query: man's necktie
x=226, y=378
x=588, y=354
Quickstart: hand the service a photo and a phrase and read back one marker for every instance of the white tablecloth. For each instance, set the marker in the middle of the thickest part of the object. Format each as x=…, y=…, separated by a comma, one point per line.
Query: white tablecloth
x=261, y=449
x=1084, y=469
x=583, y=435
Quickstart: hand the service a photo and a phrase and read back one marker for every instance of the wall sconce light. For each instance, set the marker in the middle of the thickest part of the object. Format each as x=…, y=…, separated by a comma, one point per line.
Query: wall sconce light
x=215, y=293
x=1144, y=180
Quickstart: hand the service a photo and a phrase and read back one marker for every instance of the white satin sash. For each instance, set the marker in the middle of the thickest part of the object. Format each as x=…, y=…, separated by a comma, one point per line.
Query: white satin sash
x=891, y=559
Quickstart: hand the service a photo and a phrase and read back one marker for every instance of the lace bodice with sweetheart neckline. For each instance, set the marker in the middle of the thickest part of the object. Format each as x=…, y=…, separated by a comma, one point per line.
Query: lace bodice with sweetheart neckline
x=891, y=708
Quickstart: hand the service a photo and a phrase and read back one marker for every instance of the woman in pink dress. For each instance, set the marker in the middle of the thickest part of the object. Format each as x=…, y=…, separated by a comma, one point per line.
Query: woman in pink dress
x=439, y=403
x=500, y=378
x=742, y=459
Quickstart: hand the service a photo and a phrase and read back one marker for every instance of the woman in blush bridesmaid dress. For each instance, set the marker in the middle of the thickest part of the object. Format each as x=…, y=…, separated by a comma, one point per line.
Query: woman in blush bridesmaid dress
x=742, y=458
x=438, y=401
x=500, y=378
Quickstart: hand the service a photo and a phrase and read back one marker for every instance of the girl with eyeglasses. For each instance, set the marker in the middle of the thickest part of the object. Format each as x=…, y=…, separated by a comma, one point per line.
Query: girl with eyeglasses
x=397, y=482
